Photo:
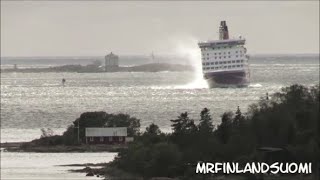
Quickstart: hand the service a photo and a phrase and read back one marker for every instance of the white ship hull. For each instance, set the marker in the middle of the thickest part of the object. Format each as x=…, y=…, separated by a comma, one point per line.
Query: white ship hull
x=224, y=61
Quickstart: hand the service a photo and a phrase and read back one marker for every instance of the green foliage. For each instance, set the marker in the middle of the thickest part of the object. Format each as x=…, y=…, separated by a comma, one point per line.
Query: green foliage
x=290, y=116
x=184, y=130
x=288, y=119
x=224, y=129
x=152, y=135
x=160, y=159
x=123, y=120
x=103, y=119
x=183, y=125
x=205, y=125
x=46, y=132
x=165, y=160
x=49, y=141
x=153, y=130
x=92, y=119
x=89, y=119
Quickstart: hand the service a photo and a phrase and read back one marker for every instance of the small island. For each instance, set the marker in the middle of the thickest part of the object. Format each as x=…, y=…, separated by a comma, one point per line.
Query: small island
x=74, y=139
x=111, y=64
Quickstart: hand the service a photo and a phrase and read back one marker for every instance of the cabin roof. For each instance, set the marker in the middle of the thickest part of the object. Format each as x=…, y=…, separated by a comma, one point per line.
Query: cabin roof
x=270, y=149
x=106, y=131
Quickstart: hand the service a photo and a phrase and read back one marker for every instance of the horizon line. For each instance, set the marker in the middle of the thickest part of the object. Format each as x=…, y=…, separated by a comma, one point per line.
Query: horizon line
x=253, y=54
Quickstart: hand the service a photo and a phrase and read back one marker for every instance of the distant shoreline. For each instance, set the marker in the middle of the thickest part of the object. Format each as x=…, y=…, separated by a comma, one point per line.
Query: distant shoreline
x=91, y=68
x=146, y=56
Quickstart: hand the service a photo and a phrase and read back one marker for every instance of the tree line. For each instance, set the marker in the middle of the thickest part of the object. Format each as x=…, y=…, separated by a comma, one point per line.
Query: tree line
x=286, y=125
x=283, y=127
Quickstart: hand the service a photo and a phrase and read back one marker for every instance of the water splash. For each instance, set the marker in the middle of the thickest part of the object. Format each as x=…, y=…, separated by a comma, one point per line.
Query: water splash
x=188, y=49
x=255, y=85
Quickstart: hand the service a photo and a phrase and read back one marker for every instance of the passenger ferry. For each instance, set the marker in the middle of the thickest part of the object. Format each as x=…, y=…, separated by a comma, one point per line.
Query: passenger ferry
x=224, y=61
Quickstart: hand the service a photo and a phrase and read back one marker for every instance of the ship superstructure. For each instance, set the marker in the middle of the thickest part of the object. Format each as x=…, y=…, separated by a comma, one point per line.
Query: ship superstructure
x=224, y=61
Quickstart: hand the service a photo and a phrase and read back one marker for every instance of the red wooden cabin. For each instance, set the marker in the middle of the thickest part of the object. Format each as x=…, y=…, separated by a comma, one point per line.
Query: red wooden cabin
x=110, y=135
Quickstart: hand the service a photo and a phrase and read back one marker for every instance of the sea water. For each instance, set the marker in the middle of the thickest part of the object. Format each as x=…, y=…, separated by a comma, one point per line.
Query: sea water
x=31, y=101
x=46, y=166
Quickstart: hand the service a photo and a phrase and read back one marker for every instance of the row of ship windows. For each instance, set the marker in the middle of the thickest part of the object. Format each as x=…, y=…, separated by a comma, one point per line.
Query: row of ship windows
x=223, y=67
x=224, y=47
x=222, y=57
x=222, y=62
x=221, y=53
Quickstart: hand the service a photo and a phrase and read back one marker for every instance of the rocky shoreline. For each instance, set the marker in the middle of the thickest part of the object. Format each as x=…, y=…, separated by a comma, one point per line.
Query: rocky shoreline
x=110, y=173
x=29, y=147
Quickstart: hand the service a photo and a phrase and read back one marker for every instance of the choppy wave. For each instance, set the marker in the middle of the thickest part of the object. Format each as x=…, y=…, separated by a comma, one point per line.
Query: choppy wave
x=257, y=85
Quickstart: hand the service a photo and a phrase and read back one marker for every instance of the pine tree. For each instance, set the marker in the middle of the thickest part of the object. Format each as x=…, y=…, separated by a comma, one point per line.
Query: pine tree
x=183, y=124
x=224, y=129
x=179, y=124
x=239, y=120
x=205, y=124
x=153, y=129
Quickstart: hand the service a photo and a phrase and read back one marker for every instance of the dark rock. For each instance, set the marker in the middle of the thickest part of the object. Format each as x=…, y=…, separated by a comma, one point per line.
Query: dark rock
x=90, y=174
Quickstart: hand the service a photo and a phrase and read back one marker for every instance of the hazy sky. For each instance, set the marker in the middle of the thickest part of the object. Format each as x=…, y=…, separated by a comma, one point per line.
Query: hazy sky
x=86, y=28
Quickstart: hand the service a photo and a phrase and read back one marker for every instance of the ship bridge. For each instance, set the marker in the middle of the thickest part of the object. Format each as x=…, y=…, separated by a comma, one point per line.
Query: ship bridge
x=224, y=42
